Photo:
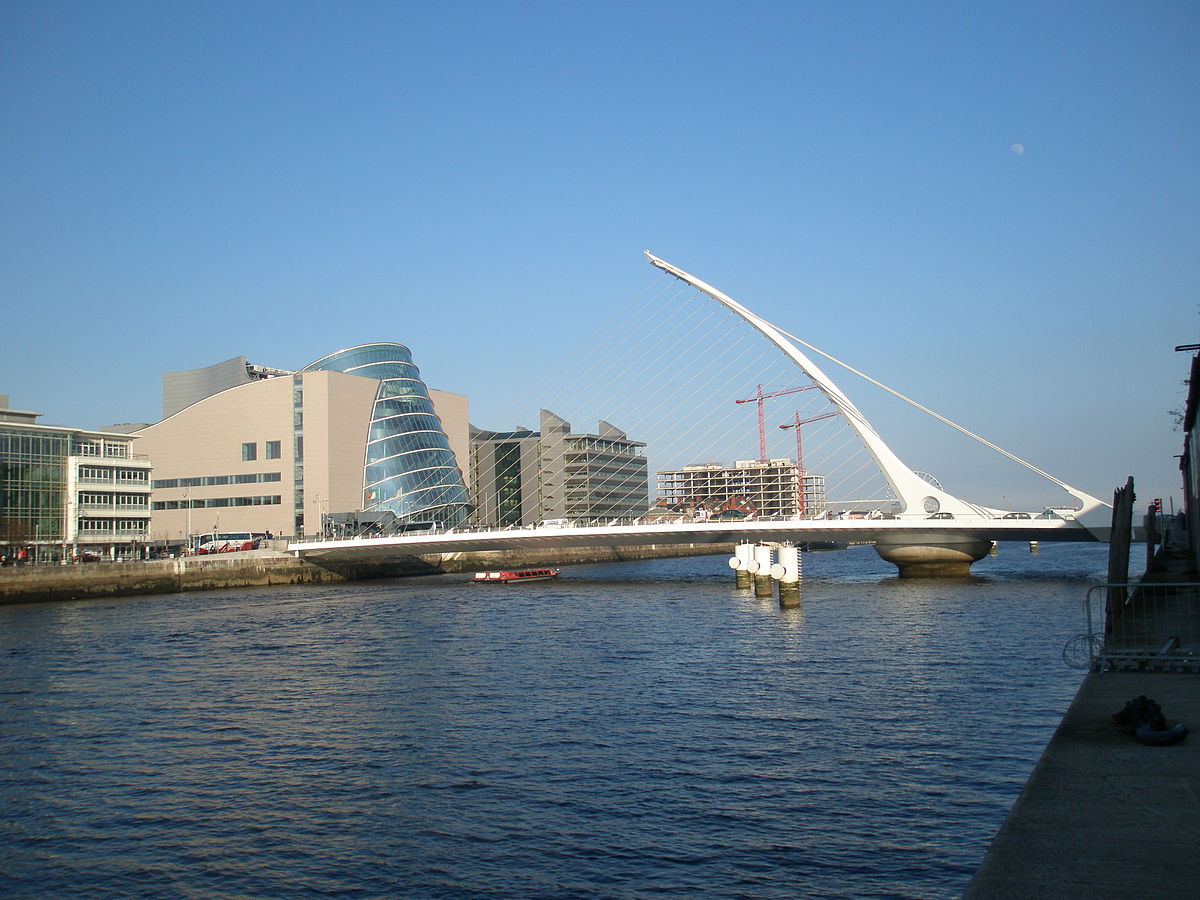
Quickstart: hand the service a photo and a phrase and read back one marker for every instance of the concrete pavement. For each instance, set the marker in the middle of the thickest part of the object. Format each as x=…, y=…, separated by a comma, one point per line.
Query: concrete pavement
x=1103, y=816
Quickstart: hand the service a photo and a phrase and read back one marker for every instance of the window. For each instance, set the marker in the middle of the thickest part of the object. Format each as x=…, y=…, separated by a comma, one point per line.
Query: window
x=249, y=451
x=218, y=502
x=273, y=449
x=209, y=480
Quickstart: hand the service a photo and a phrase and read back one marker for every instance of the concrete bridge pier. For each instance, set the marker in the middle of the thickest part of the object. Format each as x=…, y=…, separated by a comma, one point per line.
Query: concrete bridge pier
x=787, y=573
x=743, y=556
x=934, y=555
x=761, y=569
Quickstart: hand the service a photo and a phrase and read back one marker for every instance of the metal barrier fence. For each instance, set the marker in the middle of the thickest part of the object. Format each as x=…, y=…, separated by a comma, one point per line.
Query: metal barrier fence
x=1143, y=627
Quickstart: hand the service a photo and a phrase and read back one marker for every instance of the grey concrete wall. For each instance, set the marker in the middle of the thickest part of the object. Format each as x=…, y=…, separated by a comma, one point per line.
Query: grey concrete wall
x=37, y=584
x=263, y=568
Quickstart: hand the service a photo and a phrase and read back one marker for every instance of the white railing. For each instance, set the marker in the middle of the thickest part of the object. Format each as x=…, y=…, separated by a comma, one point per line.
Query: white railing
x=1143, y=626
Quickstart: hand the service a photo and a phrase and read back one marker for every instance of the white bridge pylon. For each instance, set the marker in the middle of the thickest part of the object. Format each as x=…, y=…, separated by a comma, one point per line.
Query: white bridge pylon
x=915, y=495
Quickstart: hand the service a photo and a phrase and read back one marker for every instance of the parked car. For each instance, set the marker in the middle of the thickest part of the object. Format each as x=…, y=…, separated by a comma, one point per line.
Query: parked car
x=1017, y=515
x=942, y=515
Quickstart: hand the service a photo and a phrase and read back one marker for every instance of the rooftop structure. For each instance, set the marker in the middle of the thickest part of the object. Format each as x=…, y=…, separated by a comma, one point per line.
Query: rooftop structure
x=182, y=389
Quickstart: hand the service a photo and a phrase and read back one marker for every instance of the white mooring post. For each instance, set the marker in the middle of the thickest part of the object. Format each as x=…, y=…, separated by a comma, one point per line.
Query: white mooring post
x=789, y=570
x=743, y=556
x=761, y=569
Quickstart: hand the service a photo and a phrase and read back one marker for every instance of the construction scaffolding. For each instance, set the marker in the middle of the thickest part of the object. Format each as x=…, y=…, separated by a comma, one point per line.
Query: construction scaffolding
x=761, y=489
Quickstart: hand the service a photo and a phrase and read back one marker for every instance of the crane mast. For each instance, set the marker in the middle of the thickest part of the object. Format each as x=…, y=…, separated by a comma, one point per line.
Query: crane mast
x=758, y=398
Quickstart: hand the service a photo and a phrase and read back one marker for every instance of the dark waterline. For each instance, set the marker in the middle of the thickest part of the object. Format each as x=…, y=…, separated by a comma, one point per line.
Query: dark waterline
x=631, y=730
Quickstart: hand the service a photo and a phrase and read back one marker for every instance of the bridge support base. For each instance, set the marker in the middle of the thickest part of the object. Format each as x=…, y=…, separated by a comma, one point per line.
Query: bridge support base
x=789, y=594
x=940, y=556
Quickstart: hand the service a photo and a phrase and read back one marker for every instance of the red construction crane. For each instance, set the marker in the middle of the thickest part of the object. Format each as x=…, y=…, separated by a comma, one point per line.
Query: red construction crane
x=758, y=398
x=796, y=424
x=800, y=453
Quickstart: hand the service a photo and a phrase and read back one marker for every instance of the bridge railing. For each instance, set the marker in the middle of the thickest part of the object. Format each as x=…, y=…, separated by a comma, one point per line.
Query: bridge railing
x=651, y=519
x=1146, y=626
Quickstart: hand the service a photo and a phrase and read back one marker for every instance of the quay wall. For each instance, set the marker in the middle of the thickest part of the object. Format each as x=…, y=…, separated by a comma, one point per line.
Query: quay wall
x=36, y=584
x=566, y=556
x=266, y=568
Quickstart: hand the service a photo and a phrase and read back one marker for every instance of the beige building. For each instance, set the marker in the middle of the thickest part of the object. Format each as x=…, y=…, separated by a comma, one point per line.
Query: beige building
x=274, y=454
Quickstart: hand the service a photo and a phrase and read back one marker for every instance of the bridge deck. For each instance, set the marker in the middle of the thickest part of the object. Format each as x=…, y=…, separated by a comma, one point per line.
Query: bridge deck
x=720, y=534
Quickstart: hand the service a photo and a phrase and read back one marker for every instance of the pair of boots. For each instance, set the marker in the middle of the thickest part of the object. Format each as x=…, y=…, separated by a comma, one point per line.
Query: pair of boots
x=1143, y=718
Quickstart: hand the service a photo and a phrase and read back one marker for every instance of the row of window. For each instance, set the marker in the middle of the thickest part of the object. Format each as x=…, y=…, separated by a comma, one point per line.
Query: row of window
x=19, y=496
x=95, y=498
x=15, y=444
x=129, y=526
x=111, y=449
x=216, y=502
x=413, y=466
x=206, y=480
x=394, y=445
x=271, y=450
x=109, y=474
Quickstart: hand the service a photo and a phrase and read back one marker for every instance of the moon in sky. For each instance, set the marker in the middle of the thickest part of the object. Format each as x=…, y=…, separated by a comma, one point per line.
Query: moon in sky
x=1018, y=149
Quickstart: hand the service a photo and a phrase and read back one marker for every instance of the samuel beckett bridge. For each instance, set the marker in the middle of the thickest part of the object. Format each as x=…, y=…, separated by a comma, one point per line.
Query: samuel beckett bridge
x=749, y=444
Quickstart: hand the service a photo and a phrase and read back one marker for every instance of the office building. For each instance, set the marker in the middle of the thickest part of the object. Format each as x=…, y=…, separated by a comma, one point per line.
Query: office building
x=69, y=492
x=527, y=477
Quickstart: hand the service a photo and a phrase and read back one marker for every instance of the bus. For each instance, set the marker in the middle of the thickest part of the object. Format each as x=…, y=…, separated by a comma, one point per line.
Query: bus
x=227, y=541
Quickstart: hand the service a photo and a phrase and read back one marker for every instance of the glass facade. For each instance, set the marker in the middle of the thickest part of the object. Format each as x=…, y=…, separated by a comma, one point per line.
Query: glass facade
x=508, y=482
x=60, y=487
x=409, y=466
x=33, y=480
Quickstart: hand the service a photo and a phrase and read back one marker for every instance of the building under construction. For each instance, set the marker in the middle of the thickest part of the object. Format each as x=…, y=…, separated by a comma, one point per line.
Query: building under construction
x=763, y=489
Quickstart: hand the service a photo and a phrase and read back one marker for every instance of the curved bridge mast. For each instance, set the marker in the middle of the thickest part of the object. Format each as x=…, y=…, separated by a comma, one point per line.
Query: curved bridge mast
x=916, y=496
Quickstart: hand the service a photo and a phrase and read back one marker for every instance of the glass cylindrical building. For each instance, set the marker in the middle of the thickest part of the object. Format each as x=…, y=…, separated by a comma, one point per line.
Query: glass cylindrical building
x=409, y=466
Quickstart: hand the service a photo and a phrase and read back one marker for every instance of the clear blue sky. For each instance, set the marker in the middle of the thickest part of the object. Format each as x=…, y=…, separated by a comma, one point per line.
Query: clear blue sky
x=186, y=182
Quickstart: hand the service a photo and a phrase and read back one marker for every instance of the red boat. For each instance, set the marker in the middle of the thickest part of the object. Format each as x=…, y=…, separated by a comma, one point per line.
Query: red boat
x=514, y=576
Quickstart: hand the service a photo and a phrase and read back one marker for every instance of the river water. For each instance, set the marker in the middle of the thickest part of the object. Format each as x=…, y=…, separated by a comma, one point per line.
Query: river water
x=630, y=730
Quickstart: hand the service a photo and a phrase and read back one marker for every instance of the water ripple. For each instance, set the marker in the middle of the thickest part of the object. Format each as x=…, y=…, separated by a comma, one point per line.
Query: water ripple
x=633, y=730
